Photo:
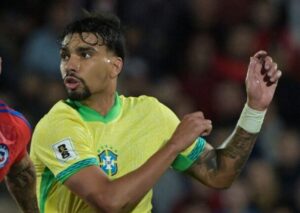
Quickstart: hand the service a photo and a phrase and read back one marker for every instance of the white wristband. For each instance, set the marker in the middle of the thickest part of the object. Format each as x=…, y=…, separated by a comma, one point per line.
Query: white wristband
x=251, y=120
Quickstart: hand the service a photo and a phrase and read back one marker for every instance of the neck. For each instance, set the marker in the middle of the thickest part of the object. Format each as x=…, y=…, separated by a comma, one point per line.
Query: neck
x=101, y=103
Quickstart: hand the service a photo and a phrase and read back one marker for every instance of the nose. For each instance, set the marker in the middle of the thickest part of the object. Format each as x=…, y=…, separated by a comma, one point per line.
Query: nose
x=72, y=65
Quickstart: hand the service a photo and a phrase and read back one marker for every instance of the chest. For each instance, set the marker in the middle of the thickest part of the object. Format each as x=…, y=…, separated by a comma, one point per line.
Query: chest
x=125, y=145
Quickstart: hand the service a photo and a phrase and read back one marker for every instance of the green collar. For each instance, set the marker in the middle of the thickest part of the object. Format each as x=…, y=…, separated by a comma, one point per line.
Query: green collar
x=89, y=114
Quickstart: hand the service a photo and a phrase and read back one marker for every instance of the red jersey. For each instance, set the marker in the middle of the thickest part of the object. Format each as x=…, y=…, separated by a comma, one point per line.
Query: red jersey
x=15, y=134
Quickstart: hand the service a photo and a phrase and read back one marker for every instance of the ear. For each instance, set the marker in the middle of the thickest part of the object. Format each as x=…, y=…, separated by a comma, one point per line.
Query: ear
x=117, y=64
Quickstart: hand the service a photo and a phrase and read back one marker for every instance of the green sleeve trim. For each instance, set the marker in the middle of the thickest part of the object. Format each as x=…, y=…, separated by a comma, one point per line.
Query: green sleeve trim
x=64, y=175
x=46, y=184
x=182, y=162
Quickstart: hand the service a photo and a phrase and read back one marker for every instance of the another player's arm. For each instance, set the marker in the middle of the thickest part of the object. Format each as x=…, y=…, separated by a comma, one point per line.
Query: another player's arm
x=123, y=194
x=21, y=183
x=219, y=167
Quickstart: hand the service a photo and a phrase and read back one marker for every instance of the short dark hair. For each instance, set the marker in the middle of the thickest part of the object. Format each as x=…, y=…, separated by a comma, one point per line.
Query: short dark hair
x=107, y=26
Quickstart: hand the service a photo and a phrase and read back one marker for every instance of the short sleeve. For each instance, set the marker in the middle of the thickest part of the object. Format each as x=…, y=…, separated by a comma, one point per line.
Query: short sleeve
x=168, y=119
x=24, y=137
x=64, y=146
x=16, y=132
x=186, y=158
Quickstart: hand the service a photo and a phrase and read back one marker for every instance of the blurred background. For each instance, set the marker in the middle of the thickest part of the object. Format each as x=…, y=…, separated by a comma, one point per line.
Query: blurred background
x=191, y=55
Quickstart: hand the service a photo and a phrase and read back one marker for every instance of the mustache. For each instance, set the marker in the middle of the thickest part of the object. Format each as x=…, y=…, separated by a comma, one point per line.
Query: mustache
x=72, y=74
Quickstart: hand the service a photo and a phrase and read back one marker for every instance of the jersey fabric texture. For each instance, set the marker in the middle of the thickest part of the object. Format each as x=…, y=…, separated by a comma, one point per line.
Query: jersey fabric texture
x=15, y=133
x=72, y=136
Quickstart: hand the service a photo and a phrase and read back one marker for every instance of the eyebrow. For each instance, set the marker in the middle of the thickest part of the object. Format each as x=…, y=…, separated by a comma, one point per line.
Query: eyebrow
x=82, y=49
x=79, y=49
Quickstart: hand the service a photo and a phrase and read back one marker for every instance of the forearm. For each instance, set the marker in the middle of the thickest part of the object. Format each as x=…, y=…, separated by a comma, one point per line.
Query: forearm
x=21, y=183
x=219, y=167
x=126, y=191
x=235, y=152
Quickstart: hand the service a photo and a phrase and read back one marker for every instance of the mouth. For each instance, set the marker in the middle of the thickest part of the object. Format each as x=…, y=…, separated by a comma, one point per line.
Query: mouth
x=71, y=82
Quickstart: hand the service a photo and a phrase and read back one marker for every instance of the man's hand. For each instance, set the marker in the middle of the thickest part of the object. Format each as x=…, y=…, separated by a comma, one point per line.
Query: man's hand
x=190, y=128
x=261, y=81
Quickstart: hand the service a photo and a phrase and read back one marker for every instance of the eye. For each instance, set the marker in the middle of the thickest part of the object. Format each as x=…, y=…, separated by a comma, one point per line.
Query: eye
x=86, y=55
x=64, y=56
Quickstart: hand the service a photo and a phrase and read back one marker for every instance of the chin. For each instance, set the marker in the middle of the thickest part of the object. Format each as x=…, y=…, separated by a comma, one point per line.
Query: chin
x=78, y=96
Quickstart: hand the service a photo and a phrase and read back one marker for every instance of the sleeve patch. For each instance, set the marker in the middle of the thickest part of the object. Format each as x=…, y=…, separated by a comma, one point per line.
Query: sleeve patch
x=4, y=155
x=64, y=150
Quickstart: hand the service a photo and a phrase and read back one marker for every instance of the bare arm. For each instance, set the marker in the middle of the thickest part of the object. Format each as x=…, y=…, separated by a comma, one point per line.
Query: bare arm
x=128, y=190
x=219, y=167
x=21, y=183
x=123, y=194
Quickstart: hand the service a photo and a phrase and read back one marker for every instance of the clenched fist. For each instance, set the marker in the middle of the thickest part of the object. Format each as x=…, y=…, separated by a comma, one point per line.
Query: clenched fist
x=189, y=129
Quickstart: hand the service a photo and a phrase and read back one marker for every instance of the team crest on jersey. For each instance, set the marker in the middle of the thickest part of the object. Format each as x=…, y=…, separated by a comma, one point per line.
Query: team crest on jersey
x=4, y=154
x=108, y=161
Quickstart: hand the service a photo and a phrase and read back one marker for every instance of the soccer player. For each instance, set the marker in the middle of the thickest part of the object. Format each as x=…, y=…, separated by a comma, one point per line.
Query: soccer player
x=16, y=167
x=100, y=151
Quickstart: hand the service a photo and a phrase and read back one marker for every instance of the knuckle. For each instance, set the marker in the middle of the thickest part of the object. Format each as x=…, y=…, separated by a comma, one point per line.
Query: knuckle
x=186, y=117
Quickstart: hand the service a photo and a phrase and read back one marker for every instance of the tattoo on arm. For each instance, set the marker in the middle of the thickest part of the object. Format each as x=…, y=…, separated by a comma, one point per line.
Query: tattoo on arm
x=21, y=182
x=239, y=147
x=219, y=167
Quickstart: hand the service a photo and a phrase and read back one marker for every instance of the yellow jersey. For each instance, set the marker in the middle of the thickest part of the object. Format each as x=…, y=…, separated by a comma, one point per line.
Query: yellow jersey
x=72, y=136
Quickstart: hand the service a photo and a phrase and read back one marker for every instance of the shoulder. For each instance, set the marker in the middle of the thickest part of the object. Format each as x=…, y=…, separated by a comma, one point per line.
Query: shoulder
x=148, y=105
x=62, y=108
x=61, y=122
x=14, y=126
x=143, y=105
x=15, y=133
x=143, y=100
x=58, y=116
x=11, y=116
x=59, y=112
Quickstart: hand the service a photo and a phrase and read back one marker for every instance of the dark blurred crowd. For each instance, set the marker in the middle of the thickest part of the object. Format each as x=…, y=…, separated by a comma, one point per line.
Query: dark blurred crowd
x=191, y=55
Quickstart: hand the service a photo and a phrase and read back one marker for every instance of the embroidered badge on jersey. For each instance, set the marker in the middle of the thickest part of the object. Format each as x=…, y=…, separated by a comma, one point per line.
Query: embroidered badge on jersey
x=64, y=150
x=4, y=154
x=108, y=161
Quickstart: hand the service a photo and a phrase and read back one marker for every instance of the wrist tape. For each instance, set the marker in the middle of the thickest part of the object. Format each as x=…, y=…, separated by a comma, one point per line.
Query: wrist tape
x=251, y=120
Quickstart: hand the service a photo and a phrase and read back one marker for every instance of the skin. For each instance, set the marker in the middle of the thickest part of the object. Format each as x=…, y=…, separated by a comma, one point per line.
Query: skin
x=21, y=182
x=219, y=167
x=216, y=167
x=83, y=61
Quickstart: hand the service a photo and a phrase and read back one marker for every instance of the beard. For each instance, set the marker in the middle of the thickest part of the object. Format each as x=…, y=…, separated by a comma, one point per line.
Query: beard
x=80, y=94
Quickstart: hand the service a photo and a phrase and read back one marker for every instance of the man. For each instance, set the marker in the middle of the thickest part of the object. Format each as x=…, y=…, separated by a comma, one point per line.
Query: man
x=15, y=165
x=100, y=151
